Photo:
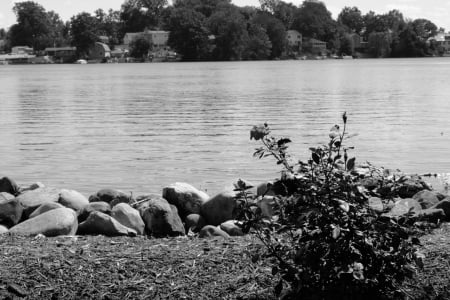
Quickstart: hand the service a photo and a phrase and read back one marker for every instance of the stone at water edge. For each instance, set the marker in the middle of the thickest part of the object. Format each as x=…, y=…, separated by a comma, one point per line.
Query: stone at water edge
x=129, y=217
x=376, y=204
x=411, y=186
x=9, y=186
x=111, y=196
x=100, y=223
x=33, y=199
x=231, y=228
x=185, y=197
x=94, y=206
x=162, y=219
x=45, y=207
x=31, y=187
x=219, y=208
x=10, y=212
x=212, y=231
x=434, y=215
x=426, y=198
x=445, y=206
x=404, y=206
x=6, y=196
x=73, y=199
x=194, y=222
x=3, y=229
x=266, y=205
x=61, y=221
x=265, y=189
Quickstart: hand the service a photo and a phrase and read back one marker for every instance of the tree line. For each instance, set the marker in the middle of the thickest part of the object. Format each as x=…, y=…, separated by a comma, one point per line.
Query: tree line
x=220, y=30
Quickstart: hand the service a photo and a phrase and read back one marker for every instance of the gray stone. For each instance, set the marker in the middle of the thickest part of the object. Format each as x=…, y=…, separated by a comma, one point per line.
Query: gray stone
x=61, y=221
x=10, y=212
x=265, y=189
x=6, y=196
x=33, y=199
x=102, y=207
x=219, y=208
x=129, y=217
x=445, y=206
x=411, y=186
x=185, y=197
x=31, y=187
x=194, y=222
x=111, y=196
x=231, y=228
x=100, y=223
x=9, y=186
x=212, y=231
x=73, y=199
x=266, y=205
x=370, y=182
x=376, y=204
x=404, y=206
x=143, y=202
x=426, y=198
x=3, y=229
x=162, y=219
x=45, y=207
x=434, y=215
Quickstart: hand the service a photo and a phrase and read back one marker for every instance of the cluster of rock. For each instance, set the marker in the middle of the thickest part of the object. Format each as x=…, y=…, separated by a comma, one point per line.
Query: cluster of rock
x=51, y=212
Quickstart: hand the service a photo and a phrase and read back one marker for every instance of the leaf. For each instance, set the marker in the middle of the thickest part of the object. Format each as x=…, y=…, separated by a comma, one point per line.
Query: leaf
x=337, y=157
x=274, y=271
x=337, y=143
x=351, y=164
x=282, y=142
x=336, y=232
x=316, y=158
x=279, y=288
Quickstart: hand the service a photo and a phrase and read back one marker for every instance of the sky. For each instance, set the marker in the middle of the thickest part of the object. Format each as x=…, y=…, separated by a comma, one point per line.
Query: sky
x=438, y=11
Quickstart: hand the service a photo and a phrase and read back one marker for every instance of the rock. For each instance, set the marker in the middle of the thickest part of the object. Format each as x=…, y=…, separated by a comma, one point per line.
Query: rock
x=445, y=206
x=102, y=207
x=185, y=197
x=31, y=187
x=45, y=207
x=404, y=206
x=73, y=199
x=100, y=223
x=3, y=229
x=231, y=228
x=194, y=222
x=61, y=221
x=129, y=217
x=10, y=212
x=266, y=205
x=265, y=189
x=162, y=219
x=6, y=196
x=111, y=196
x=411, y=186
x=9, y=186
x=33, y=199
x=212, y=231
x=369, y=183
x=143, y=202
x=376, y=204
x=432, y=215
x=219, y=208
x=426, y=198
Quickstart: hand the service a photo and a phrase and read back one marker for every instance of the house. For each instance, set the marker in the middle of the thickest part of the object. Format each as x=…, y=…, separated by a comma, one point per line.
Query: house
x=315, y=46
x=442, y=40
x=99, y=51
x=62, y=54
x=358, y=43
x=294, y=41
x=22, y=50
x=157, y=38
x=2, y=45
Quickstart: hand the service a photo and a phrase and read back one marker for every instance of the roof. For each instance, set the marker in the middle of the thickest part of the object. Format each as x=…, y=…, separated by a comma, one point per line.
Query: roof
x=61, y=49
x=311, y=40
x=105, y=47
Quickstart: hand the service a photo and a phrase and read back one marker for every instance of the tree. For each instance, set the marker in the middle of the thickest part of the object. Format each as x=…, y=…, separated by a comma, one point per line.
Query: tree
x=379, y=44
x=285, y=12
x=110, y=25
x=139, y=48
x=258, y=45
x=275, y=30
x=188, y=33
x=84, y=29
x=424, y=28
x=138, y=15
x=205, y=7
x=352, y=18
x=374, y=23
x=2, y=33
x=313, y=19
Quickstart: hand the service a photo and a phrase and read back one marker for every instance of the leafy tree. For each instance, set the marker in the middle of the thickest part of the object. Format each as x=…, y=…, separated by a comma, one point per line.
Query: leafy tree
x=139, y=48
x=424, y=28
x=379, y=44
x=352, y=18
x=138, y=15
x=285, y=12
x=258, y=45
x=313, y=19
x=84, y=29
x=374, y=23
x=394, y=20
x=110, y=25
x=275, y=30
x=409, y=44
x=188, y=33
x=347, y=45
x=2, y=33
x=205, y=7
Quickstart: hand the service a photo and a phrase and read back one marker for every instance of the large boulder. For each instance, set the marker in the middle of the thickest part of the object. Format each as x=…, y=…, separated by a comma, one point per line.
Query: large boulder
x=102, y=207
x=33, y=199
x=10, y=212
x=375, y=204
x=212, y=231
x=411, y=186
x=445, y=206
x=434, y=215
x=265, y=189
x=129, y=217
x=194, y=222
x=111, y=196
x=185, y=197
x=219, y=208
x=61, y=221
x=3, y=229
x=100, y=223
x=73, y=199
x=45, y=207
x=31, y=187
x=426, y=198
x=404, y=206
x=232, y=228
x=9, y=186
x=162, y=219
x=6, y=196
x=143, y=202
x=266, y=205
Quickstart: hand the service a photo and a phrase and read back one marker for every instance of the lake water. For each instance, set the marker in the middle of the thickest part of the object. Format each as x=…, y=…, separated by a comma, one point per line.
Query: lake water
x=139, y=127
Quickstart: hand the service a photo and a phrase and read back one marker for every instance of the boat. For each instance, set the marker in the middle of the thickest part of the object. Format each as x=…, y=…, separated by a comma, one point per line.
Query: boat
x=81, y=62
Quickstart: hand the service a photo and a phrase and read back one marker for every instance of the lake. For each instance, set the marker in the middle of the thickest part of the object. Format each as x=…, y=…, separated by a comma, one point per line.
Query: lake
x=140, y=127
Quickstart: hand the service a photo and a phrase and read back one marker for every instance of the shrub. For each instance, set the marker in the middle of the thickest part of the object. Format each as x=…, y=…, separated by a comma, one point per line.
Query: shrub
x=324, y=240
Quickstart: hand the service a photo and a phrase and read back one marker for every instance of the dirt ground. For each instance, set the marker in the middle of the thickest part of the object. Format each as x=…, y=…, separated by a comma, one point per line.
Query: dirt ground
x=97, y=267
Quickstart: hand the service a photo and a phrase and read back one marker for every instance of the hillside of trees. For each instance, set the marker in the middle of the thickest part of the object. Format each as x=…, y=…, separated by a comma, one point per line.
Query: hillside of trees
x=220, y=30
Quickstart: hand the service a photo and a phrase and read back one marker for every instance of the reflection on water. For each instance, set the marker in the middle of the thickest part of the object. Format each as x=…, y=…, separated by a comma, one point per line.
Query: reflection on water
x=139, y=127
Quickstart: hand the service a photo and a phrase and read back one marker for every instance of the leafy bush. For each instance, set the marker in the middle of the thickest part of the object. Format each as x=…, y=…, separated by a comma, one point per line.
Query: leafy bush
x=326, y=243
